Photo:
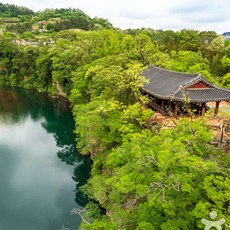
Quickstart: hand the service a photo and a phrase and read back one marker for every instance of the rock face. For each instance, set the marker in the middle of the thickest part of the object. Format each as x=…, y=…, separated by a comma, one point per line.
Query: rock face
x=60, y=92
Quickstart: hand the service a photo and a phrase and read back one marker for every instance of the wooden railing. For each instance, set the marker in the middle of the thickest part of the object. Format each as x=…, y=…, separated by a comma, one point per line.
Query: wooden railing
x=157, y=107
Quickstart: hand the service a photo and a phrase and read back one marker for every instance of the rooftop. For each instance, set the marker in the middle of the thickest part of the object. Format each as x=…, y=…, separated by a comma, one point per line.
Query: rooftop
x=166, y=84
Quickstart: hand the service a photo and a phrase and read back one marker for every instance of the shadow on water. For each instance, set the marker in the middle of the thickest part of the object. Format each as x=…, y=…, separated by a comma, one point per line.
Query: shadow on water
x=16, y=105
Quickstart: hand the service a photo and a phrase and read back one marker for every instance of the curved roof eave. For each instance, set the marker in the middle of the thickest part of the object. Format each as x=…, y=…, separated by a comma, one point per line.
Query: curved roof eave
x=157, y=95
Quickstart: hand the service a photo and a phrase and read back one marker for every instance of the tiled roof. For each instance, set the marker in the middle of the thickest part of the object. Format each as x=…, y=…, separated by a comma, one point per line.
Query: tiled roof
x=203, y=95
x=166, y=84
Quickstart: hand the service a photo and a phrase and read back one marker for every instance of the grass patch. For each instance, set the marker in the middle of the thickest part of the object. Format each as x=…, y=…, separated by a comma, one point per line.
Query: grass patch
x=224, y=111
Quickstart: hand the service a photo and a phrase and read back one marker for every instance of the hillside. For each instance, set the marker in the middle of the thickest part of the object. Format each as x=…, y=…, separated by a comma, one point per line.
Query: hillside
x=18, y=19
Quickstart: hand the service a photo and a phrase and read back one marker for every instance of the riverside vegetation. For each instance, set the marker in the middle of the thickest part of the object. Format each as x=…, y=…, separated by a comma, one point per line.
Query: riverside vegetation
x=143, y=176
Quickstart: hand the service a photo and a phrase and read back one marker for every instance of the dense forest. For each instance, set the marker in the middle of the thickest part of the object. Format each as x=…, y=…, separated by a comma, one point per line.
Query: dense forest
x=143, y=175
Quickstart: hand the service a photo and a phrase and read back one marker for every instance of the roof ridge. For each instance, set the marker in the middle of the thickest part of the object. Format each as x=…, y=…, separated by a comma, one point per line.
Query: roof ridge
x=225, y=89
x=173, y=71
x=202, y=78
x=184, y=86
x=196, y=80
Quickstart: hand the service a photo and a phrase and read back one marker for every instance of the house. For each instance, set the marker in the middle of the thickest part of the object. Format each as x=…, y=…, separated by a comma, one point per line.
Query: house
x=226, y=35
x=177, y=92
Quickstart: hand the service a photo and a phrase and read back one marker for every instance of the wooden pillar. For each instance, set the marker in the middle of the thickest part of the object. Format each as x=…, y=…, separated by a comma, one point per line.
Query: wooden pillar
x=163, y=104
x=216, y=108
x=190, y=107
x=170, y=106
x=203, y=109
x=176, y=110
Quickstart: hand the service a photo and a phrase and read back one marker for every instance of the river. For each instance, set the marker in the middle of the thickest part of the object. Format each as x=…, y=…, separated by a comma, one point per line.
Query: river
x=40, y=169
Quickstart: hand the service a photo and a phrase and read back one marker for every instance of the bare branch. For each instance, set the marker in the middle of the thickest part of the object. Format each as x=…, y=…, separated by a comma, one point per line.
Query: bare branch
x=162, y=187
x=79, y=212
x=129, y=203
x=147, y=160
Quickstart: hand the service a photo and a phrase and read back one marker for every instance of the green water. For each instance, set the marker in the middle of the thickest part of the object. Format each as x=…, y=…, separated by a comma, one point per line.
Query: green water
x=39, y=166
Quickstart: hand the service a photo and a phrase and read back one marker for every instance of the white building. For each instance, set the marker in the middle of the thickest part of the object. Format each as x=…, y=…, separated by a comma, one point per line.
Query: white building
x=226, y=35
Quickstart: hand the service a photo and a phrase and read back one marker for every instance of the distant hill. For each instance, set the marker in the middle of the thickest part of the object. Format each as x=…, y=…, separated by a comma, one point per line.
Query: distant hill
x=9, y=10
x=19, y=19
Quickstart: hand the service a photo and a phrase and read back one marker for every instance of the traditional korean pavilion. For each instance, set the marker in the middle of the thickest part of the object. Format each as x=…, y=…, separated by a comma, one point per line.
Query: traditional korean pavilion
x=177, y=92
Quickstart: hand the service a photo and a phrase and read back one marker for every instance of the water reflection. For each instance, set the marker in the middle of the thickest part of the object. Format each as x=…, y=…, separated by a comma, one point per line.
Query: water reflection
x=36, y=187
